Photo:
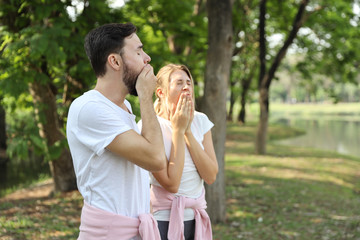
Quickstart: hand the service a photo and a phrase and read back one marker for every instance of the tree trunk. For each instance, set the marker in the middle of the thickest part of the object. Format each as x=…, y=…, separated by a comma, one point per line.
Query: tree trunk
x=2, y=128
x=214, y=101
x=48, y=122
x=232, y=101
x=242, y=113
x=261, y=135
x=246, y=82
x=3, y=156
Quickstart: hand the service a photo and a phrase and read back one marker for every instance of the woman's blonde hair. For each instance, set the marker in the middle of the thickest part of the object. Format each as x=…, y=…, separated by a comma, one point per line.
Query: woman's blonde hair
x=163, y=81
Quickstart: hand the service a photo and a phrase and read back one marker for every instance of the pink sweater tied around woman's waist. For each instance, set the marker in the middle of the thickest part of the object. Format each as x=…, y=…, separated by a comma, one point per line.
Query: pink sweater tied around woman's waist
x=98, y=224
x=163, y=200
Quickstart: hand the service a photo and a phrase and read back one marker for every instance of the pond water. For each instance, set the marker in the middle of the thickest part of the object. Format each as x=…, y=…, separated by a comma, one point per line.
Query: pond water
x=341, y=135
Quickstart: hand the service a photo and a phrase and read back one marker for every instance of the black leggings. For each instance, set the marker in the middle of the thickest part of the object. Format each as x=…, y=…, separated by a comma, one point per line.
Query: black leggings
x=189, y=229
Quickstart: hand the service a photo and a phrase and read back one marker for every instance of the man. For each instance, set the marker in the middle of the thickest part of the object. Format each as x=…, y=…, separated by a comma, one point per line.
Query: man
x=108, y=150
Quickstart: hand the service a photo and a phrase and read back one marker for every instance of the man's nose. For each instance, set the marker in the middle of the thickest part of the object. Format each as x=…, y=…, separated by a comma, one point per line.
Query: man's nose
x=147, y=58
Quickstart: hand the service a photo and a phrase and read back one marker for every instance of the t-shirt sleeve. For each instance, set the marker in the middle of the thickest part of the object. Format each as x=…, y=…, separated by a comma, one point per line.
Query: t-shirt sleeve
x=98, y=125
x=205, y=123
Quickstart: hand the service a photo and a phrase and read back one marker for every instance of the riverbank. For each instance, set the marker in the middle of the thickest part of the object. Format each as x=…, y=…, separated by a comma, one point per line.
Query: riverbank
x=330, y=127
x=291, y=193
x=308, y=110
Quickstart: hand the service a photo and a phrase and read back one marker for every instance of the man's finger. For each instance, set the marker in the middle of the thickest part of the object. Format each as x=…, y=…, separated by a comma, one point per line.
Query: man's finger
x=145, y=70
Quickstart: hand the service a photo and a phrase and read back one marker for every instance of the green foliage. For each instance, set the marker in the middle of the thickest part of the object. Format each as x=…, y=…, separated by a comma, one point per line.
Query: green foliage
x=172, y=32
x=325, y=50
x=330, y=41
x=245, y=54
x=22, y=130
x=56, y=149
x=162, y=22
x=40, y=41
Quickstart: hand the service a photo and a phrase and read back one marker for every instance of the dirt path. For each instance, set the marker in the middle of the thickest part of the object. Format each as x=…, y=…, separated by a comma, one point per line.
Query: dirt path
x=40, y=190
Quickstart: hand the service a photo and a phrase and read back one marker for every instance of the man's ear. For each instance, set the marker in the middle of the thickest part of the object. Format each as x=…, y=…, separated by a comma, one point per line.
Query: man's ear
x=115, y=61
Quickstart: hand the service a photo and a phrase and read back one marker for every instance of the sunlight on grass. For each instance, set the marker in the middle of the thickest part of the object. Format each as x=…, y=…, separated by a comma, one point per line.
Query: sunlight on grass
x=242, y=214
x=16, y=222
x=336, y=171
x=289, y=234
x=59, y=234
x=252, y=181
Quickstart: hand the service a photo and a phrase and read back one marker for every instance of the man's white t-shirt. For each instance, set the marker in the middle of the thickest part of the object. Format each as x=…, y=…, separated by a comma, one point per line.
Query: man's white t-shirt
x=191, y=184
x=105, y=180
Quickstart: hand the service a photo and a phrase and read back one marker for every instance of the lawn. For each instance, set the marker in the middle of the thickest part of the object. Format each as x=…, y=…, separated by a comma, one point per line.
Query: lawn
x=291, y=193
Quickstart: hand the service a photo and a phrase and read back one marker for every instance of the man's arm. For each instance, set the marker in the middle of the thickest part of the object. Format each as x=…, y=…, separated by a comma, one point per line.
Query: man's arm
x=145, y=150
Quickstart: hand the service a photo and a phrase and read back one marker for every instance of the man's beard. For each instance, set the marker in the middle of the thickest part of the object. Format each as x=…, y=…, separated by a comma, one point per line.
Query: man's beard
x=130, y=79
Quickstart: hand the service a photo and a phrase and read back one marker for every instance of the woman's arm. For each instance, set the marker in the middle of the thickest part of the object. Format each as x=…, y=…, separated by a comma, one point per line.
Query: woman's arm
x=204, y=159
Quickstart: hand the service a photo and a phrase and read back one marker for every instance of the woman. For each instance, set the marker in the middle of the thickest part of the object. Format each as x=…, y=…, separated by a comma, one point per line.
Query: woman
x=177, y=192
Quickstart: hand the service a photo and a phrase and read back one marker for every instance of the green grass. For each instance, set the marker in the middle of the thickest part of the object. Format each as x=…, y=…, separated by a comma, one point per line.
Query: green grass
x=291, y=193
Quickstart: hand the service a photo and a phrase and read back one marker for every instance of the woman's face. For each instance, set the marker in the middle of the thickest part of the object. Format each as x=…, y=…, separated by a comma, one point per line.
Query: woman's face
x=179, y=83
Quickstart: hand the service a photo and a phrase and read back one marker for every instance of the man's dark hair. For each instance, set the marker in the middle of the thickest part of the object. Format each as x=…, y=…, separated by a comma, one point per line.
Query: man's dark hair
x=104, y=40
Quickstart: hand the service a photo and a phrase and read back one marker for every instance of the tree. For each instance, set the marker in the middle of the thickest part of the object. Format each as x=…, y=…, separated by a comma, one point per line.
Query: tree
x=39, y=60
x=29, y=33
x=329, y=43
x=244, y=62
x=213, y=104
x=245, y=84
x=176, y=32
x=266, y=76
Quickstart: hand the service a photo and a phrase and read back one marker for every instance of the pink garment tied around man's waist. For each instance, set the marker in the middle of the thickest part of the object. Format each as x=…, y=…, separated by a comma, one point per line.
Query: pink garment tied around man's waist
x=163, y=200
x=98, y=224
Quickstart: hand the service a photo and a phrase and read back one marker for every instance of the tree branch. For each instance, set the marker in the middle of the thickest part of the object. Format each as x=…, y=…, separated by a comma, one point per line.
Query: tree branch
x=298, y=22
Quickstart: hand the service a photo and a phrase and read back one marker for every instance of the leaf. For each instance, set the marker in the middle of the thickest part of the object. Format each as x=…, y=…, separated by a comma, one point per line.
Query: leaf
x=38, y=141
